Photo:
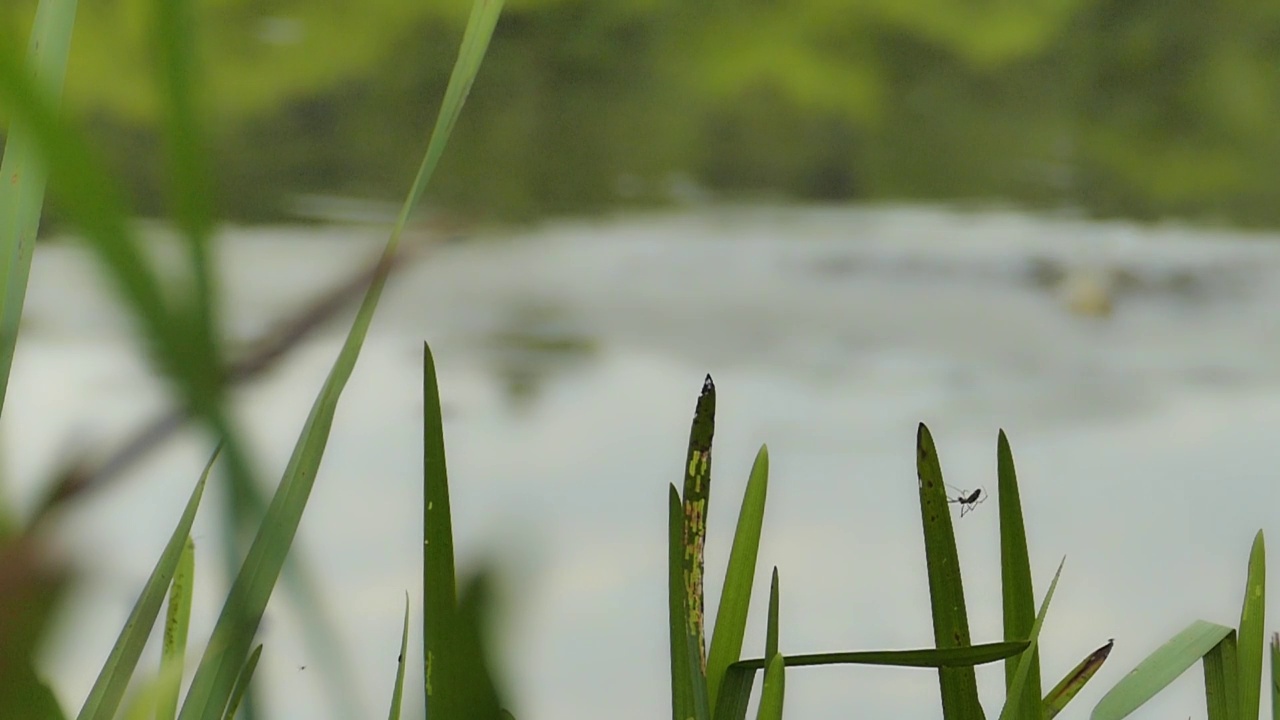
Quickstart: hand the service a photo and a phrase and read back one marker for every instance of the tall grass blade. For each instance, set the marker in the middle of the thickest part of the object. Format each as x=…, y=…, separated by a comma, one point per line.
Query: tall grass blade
x=735, y=692
x=176, y=623
x=478, y=693
x=677, y=612
x=1159, y=669
x=771, y=627
x=242, y=683
x=439, y=576
x=1074, y=681
x=25, y=174
x=735, y=594
x=1015, y=580
x=397, y=693
x=1222, y=681
x=696, y=497
x=1013, y=711
x=1252, y=616
x=104, y=698
x=957, y=685
x=774, y=688
x=926, y=658
x=1275, y=676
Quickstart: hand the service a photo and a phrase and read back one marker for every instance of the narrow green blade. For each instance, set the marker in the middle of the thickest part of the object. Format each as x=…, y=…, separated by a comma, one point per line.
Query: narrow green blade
x=1221, y=680
x=771, y=628
x=926, y=658
x=1275, y=676
x=176, y=623
x=681, y=673
x=1013, y=711
x=735, y=596
x=696, y=497
x=1074, y=681
x=28, y=600
x=477, y=692
x=957, y=685
x=1159, y=669
x=1252, y=616
x=735, y=692
x=1015, y=580
x=439, y=576
x=772, y=693
x=25, y=174
x=242, y=683
x=104, y=698
x=397, y=693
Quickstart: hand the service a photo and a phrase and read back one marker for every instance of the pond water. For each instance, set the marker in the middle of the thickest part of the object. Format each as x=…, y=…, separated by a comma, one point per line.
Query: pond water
x=1136, y=370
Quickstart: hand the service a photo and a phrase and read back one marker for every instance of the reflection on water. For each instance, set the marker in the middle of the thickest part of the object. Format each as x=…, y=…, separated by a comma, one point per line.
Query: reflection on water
x=569, y=359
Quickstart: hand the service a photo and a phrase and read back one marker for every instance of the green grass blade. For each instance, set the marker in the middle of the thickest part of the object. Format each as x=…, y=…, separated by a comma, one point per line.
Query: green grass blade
x=28, y=600
x=242, y=683
x=25, y=173
x=681, y=674
x=1015, y=580
x=1222, y=681
x=104, y=698
x=925, y=658
x=148, y=694
x=773, y=691
x=1013, y=711
x=958, y=686
x=696, y=498
x=771, y=629
x=735, y=692
x=1074, y=681
x=397, y=693
x=439, y=576
x=1252, y=616
x=176, y=623
x=1275, y=676
x=1159, y=669
x=735, y=595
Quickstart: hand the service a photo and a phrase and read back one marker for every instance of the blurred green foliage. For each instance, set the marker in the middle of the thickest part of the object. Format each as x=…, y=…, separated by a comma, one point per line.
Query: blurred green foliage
x=1119, y=107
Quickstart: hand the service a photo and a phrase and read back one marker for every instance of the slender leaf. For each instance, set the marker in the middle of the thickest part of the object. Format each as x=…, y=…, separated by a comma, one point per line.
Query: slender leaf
x=771, y=629
x=104, y=698
x=927, y=658
x=25, y=173
x=398, y=692
x=28, y=598
x=439, y=577
x=1221, y=680
x=696, y=498
x=772, y=693
x=176, y=623
x=1252, y=617
x=477, y=691
x=1011, y=711
x=682, y=673
x=1015, y=580
x=1074, y=682
x=242, y=683
x=1159, y=669
x=735, y=595
x=957, y=685
x=1275, y=676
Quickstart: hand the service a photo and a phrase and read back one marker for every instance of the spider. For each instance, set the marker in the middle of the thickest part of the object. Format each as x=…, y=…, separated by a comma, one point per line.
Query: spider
x=967, y=500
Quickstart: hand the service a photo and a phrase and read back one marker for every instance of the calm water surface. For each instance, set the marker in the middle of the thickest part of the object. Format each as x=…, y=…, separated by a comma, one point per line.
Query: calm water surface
x=569, y=360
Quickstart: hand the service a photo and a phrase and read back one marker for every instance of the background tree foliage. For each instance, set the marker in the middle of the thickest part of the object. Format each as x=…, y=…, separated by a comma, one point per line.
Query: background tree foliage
x=1130, y=107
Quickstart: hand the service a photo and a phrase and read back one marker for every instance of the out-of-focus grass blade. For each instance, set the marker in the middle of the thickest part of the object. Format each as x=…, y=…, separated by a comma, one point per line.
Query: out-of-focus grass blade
x=176, y=623
x=681, y=672
x=1159, y=669
x=242, y=683
x=1251, y=631
x=1074, y=682
x=1015, y=580
x=1013, y=711
x=958, y=686
x=104, y=698
x=478, y=695
x=1222, y=681
x=148, y=694
x=28, y=598
x=397, y=692
x=439, y=577
x=253, y=586
x=773, y=690
x=735, y=594
x=25, y=173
